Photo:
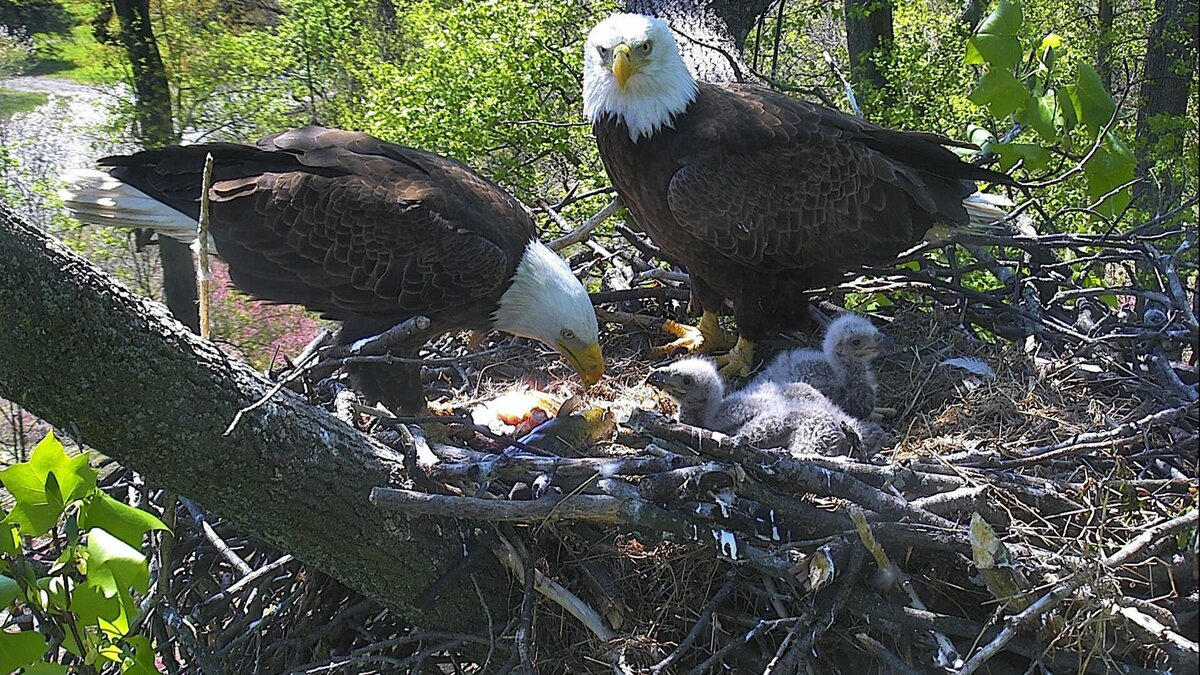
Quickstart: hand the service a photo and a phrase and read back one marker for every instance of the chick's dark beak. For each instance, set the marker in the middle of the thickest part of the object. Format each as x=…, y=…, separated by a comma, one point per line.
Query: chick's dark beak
x=885, y=345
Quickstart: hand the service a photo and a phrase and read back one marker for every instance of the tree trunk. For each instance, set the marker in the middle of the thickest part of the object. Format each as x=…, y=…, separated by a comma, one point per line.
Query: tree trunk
x=1104, y=43
x=152, y=97
x=1169, y=67
x=115, y=372
x=156, y=128
x=869, y=40
x=710, y=33
x=970, y=13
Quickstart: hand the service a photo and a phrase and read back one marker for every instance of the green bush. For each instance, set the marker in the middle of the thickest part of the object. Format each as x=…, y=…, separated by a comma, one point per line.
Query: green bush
x=72, y=562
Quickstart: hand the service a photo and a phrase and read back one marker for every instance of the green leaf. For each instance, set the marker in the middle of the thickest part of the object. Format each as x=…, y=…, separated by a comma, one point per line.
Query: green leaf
x=45, y=669
x=94, y=608
x=1095, y=105
x=45, y=484
x=114, y=565
x=1049, y=48
x=1000, y=92
x=9, y=590
x=1067, y=105
x=1035, y=156
x=1110, y=167
x=20, y=649
x=995, y=41
x=10, y=541
x=142, y=660
x=35, y=511
x=119, y=519
x=75, y=478
x=1040, y=113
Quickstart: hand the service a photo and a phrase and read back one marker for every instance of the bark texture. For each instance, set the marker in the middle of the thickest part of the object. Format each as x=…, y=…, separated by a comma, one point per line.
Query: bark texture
x=710, y=33
x=113, y=370
x=1168, y=69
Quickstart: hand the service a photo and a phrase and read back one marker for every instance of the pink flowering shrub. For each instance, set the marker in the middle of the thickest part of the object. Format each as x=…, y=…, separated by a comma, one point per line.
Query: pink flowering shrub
x=262, y=332
x=19, y=432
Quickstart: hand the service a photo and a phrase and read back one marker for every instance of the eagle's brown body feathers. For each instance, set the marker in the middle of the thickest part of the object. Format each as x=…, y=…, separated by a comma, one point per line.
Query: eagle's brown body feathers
x=763, y=196
x=364, y=231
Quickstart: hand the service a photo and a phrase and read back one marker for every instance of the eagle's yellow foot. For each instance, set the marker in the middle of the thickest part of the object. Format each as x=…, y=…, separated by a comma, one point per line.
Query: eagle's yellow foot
x=739, y=361
x=709, y=337
x=439, y=409
x=475, y=339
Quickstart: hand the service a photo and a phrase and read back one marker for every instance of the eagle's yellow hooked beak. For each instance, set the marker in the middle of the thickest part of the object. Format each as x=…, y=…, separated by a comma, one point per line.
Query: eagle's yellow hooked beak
x=588, y=360
x=622, y=64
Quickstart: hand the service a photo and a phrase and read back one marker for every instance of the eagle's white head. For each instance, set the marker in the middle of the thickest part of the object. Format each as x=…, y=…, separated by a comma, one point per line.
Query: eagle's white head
x=632, y=71
x=547, y=303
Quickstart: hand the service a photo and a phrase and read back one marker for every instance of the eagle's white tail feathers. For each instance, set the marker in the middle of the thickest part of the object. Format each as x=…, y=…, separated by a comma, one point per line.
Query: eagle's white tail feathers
x=96, y=198
x=987, y=212
x=987, y=209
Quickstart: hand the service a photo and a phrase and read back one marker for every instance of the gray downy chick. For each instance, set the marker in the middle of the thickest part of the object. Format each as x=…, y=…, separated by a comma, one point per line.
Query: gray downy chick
x=696, y=385
x=795, y=416
x=841, y=369
x=809, y=424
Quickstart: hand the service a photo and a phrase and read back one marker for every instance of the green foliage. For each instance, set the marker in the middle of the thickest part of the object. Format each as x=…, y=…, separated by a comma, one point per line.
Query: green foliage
x=1027, y=83
x=85, y=600
x=16, y=50
x=495, y=84
x=36, y=16
x=995, y=42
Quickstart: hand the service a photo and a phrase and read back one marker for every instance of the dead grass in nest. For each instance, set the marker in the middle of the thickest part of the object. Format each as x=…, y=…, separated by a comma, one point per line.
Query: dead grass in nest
x=945, y=409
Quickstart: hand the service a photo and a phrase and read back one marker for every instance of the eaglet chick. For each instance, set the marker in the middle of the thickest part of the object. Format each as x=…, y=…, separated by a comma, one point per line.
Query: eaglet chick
x=841, y=369
x=697, y=388
x=809, y=423
x=795, y=416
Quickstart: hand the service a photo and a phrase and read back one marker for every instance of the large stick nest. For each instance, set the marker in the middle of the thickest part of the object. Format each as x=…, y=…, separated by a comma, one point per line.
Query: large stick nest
x=1036, y=503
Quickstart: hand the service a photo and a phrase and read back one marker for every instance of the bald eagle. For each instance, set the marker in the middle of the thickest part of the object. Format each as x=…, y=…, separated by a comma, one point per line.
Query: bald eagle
x=366, y=232
x=760, y=195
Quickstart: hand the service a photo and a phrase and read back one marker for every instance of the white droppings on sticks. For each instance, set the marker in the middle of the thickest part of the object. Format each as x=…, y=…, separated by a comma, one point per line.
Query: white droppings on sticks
x=727, y=543
x=724, y=500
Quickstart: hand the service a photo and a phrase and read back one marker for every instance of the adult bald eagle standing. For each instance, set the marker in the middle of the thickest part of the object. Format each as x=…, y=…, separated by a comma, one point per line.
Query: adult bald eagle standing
x=366, y=232
x=760, y=195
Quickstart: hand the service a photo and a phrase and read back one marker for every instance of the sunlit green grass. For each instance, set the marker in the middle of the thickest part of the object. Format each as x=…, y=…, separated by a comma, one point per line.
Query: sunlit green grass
x=76, y=56
x=13, y=102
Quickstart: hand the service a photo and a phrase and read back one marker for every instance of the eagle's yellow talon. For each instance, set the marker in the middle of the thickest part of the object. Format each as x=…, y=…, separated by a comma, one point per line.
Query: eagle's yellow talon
x=689, y=339
x=739, y=361
x=709, y=337
x=716, y=339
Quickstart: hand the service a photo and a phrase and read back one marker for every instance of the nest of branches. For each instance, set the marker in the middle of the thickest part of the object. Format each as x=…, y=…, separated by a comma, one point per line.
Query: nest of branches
x=1036, y=505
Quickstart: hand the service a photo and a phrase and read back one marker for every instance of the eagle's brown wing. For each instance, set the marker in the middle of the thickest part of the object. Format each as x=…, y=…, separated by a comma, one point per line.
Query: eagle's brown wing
x=778, y=183
x=344, y=223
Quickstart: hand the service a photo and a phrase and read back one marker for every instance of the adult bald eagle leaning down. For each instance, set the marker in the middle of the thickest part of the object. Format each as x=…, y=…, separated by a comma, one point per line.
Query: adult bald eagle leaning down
x=366, y=232
x=760, y=195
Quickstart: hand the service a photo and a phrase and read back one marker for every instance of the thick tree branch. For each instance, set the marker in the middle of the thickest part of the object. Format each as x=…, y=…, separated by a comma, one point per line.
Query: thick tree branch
x=117, y=373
